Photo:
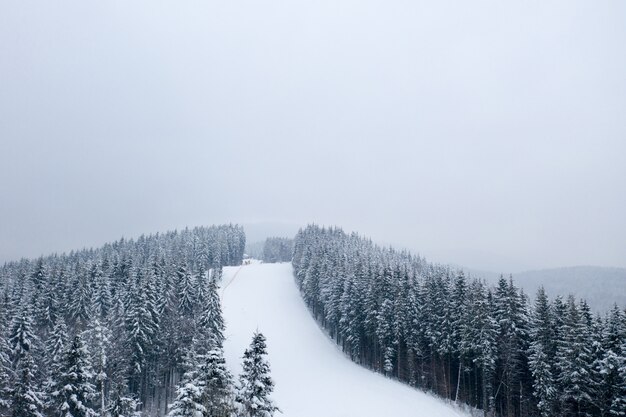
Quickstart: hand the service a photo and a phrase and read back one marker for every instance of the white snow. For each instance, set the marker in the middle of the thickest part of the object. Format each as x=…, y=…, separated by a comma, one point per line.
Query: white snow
x=312, y=376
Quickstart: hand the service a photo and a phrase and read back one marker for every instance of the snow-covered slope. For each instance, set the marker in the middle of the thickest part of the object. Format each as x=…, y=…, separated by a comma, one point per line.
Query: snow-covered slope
x=313, y=377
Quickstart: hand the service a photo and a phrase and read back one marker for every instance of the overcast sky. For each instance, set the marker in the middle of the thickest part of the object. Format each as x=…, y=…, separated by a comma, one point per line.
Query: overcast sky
x=485, y=133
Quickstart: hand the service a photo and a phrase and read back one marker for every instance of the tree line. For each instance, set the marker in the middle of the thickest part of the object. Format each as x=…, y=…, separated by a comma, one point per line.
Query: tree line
x=120, y=330
x=436, y=329
x=277, y=249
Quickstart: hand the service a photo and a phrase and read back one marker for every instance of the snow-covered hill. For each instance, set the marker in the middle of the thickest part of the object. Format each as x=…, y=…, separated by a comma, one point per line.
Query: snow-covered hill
x=313, y=377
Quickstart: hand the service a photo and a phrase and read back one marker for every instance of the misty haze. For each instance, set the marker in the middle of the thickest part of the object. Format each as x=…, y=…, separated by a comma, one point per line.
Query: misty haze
x=339, y=208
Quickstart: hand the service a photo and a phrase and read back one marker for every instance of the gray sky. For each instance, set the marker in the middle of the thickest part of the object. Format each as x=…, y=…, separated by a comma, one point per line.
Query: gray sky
x=487, y=133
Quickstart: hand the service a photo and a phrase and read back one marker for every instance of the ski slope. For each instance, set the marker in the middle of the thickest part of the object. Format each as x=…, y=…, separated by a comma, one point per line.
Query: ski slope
x=313, y=377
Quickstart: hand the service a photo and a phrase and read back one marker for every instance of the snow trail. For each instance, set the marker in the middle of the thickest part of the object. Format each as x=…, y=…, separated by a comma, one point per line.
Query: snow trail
x=313, y=377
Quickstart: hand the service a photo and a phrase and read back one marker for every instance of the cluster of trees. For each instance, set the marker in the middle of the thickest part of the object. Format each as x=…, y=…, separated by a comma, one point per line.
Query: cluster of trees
x=207, y=388
x=108, y=331
x=436, y=329
x=277, y=249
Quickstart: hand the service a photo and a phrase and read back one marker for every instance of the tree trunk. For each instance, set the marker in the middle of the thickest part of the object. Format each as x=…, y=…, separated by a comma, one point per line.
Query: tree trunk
x=458, y=381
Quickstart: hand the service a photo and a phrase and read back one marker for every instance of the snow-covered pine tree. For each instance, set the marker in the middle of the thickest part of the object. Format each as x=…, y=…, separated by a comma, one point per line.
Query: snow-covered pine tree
x=188, y=402
x=98, y=339
x=5, y=372
x=26, y=399
x=540, y=352
x=255, y=382
x=210, y=325
x=610, y=365
x=79, y=303
x=56, y=346
x=459, y=322
x=101, y=294
x=44, y=298
x=217, y=382
x=74, y=391
x=141, y=329
x=509, y=314
x=185, y=285
x=573, y=362
x=22, y=338
x=124, y=406
x=56, y=343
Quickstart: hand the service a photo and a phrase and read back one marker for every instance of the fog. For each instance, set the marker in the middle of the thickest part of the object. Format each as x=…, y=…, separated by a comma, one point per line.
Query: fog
x=488, y=134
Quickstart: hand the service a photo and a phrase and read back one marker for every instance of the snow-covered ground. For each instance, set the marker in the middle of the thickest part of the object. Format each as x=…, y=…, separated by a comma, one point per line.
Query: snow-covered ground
x=313, y=377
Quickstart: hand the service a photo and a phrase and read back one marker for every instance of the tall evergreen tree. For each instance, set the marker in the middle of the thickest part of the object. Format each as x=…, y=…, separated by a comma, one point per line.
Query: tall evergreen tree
x=210, y=326
x=98, y=339
x=74, y=392
x=573, y=362
x=217, y=393
x=255, y=381
x=26, y=399
x=541, y=362
x=188, y=401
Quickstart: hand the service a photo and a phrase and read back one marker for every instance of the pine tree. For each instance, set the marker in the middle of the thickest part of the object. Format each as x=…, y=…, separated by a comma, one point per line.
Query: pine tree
x=22, y=339
x=141, y=330
x=98, y=339
x=351, y=323
x=210, y=326
x=573, y=362
x=80, y=301
x=5, y=373
x=509, y=314
x=26, y=400
x=188, y=401
x=124, y=406
x=101, y=295
x=256, y=385
x=541, y=362
x=44, y=302
x=217, y=394
x=459, y=322
x=56, y=346
x=610, y=365
x=74, y=392
x=186, y=295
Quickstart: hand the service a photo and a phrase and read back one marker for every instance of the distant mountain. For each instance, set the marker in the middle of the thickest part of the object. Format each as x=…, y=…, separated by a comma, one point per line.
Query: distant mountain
x=600, y=286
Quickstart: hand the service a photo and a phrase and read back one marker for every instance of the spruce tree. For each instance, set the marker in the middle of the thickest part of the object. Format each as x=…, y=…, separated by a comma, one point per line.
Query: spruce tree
x=573, y=361
x=255, y=383
x=611, y=365
x=210, y=326
x=124, y=406
x=217, y=382
x=541, y=363
x=186, y=295
x=98, y=339
x=56, y=346
x=189, y=393
x=26, y=400
x=75, y=392
x=5, y=373
x=22, y=339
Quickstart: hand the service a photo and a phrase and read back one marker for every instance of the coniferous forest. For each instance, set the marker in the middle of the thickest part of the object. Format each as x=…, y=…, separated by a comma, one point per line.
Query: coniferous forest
x=277, y=249
x=136, y=328
x=133, y=328
x=436, y=329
